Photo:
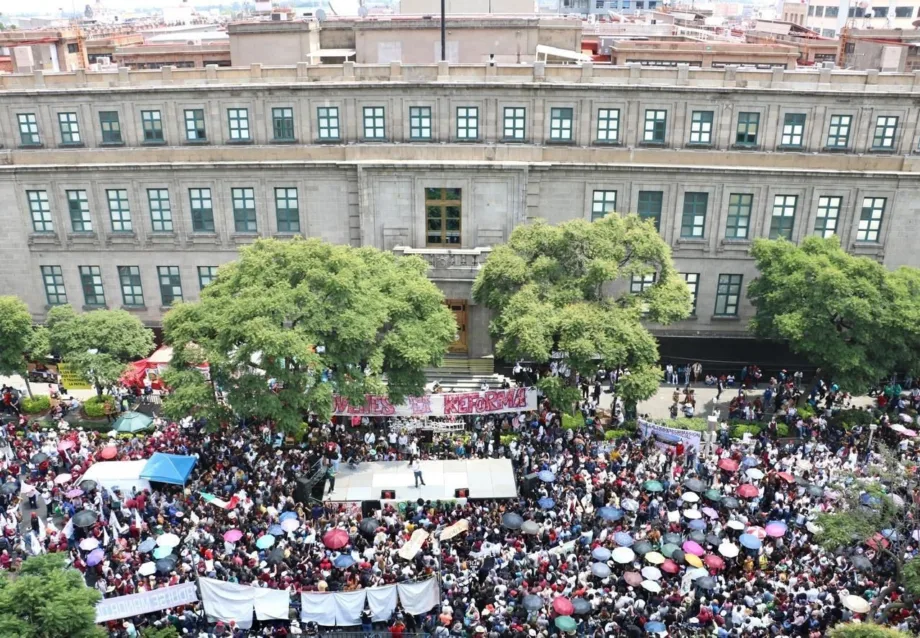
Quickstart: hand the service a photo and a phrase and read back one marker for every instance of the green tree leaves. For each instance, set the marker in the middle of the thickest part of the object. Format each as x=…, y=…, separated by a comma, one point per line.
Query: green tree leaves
x=15, y=335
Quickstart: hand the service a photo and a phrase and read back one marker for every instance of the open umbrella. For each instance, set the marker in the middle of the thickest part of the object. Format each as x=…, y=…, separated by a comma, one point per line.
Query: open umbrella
x=546, y=503
x=673, y=538
x=582, y=606
x=690, y=497
x=532, y=602
x=529, y=527
x=290, y=524
x=697, y=573
x=147, y=569
x=653, y=486
x=655, y=558
x=750, y=461
x=713, y=562
x=108, y=453
x=600, y=570
x=287, y=515
x=162, y=552
x=713, y=540
x=88, y=485
x=692, y=559
x=623, y=539
x=610, y=513
x=692, y=547
x=754, y=474
x=275, y=530
x=546, y=476
x=147, y=546
x=342, y=562
x=512, y=521
x=668, y=549
x=633, y=578
x=747, y=490
x=655, y=627
x=131, y=422
x=65, y=444
x=712, y=495
x=750, y=541
x=266, y=541
x=368, y=527
x=678, y=556
x=697, y=536
x=166, y=565
x=651, y=585
x=692, y=513
x=566, y=623
x=730, y=503
x=630, y=504
x=856, y=603
x=275, y=556
x=694, y=485
x=735, y=525
x=622, y=555
x=651, y=573
x=861, y=563
x=171, y=540
x=775, y=528
x=709, y=512
x=335, y=538
x=786, y=476
x=642, y=548
x=814, y=528
x=39, y=457
x=563, y=606
x=601, y=553
x=817, y=492
x=26, y=490
x=61, y=479
x=95, y=557
x=697, y=524
x=706, y=582
x=85, y=518
x=9, y=488
x=233, y=535
x=729, y=465
x=669, y=567
x=89, y=544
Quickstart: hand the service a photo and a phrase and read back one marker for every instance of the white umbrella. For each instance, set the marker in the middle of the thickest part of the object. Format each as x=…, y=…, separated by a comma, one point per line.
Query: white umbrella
x=697, y=572
x=147, y=569
x=754, y=473
x=690, y=497
x=856, y=603
x=814, y=528
x=651, y=573
x=692, y=514
x=89, y=544
x=168, y=540
x=651, y=585
x=728, y=550
x=736, y=525
x=60, y=479
x=623, y=555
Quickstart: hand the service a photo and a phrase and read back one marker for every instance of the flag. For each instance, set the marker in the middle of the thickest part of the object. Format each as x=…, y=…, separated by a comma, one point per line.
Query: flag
x=138, y=521
x=113, y=523
x=219, y=502
x=194, y=518
x=42, y=532
x=36, y=546
x=68, y=529
x=105, y=537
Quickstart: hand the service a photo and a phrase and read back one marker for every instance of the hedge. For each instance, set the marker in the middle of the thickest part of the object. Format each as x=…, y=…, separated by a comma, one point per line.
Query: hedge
x=506, y=439
x=611, y=435
x=94, y=407
x=36, y=404
x=575, y=422
x=848, y=419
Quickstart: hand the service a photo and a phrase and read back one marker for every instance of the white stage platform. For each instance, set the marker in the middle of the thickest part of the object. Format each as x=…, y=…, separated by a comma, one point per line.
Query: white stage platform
x=485, y=478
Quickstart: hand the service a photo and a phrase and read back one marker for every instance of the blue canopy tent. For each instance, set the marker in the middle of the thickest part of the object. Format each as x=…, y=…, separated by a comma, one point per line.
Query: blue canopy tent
x=169, y=468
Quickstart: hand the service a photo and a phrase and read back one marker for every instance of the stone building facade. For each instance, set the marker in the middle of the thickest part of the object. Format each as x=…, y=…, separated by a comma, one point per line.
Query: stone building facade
x=129, y=189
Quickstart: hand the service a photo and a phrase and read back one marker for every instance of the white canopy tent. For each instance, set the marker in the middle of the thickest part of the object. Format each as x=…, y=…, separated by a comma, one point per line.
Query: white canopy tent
x=124, y=475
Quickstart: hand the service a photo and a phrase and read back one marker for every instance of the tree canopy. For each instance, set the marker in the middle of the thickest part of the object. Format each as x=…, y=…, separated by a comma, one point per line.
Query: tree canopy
x=292, y=323
x=864, y=630
x=15, y=335
x=848, y=315
x=565, y=289
x=100, y=343
x=48, y=600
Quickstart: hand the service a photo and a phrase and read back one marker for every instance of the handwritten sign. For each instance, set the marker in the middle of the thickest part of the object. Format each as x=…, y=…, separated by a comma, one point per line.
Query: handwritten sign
x=146, y=602
x=71, y=379
x=489, y=402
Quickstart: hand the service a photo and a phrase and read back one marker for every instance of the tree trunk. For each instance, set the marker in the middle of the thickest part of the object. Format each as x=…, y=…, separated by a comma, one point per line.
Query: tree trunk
x=28, y=386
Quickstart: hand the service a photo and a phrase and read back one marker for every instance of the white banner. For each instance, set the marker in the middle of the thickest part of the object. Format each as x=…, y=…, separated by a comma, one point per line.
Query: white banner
x=666, y=437
x=146, y=602
x=228, y=601
x=489, y=402
x=343, y=609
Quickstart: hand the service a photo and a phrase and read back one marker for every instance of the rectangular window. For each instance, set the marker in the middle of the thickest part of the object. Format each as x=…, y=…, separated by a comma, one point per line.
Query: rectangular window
x=374, y=126
x=701, y=127
x=467, y=122
x=640, y=283
x=239, y=124
x=160, y=210
x=903, y=12
x=870, y=219
x=739, y=215
x=206, y=275
x=202, y=210
x=828, y=214
x=28, y=129
x=650, y=206
x=514, y=123
x=728, y=295
x=560, y=125
x=831, y=12
x=53, y=278
x=244, y=209
x=119, y=210
x=838, y=133
x=693, y=283
x=132, y=292
x=746, y=134
x=885, y=128
x=78, y=206
x=793, y=129
x=693, y=221
x=442, y=211
x=608, y=126
x=286, y=210
x=152, y=123
x=327, y=120
x=111, y=127
x=283, y=124
x=655, y=126
x=70, y=128
x=91, y=280
x=40, y=210
x=783, y=220
x=195, y=130
x=603, y=202
x=170, y=284
x=420, y=122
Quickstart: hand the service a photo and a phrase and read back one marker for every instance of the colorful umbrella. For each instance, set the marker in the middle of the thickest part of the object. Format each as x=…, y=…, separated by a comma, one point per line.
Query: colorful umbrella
x=730, y=503
x=653, y=486
x=335, y=538
x=546, y=476
x=109, y=452
x=146, y=546
x=694, y=560
x=633, y=578
x=89, y=544
x=776, y=528
x=60, y=479
x=162, y=552
x=532, y=602
x=654, y=558
x=600, y=570
x=74, y=493
x=756, y=530
x=95, y=557
x=546, y=503
x=565, y=623
x=234, y=535
x=673, y=538
x=729, y=465
x=65, y=444
x=264, y=542
x=709, y=512
x=786, y=476
x=290, y=524
x=728, y=550
x=286, y=515
x=600, y=553
x=651, y=585
x=529, y=527
x=713, y=562
x=582, y=606
x=655, y=627
x=754, y=474
x=694, y=485
x=670, y=567
x=668, y=549
x=563, y=606
x=623, y=539
x=751, y=542
x=747, y=490
x=642, y=548
x=692, y=547
x=610, y=513
x=275, y=530
x=512, y=521
x=698, y=524
x=698, y=536
x=712, y=495
x=341, y=562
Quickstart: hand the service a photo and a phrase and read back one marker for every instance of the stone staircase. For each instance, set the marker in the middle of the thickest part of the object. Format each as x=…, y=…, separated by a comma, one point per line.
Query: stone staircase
x=462, y=374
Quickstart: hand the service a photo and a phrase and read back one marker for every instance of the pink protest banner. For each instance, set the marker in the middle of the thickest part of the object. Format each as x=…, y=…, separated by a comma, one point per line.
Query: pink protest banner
x=488, y=402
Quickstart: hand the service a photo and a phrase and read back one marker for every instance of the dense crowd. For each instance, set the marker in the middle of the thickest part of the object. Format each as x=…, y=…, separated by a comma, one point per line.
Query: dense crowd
x=626, y=536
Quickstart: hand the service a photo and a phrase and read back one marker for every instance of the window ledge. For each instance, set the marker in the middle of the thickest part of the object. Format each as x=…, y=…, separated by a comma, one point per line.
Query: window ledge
x=693, y=241
x=560, y=142
x=745, y=147
x=329, y=140
x=134, y=308
x=44, y=238
x=467, y=141
x=167, y=308
x=31, y=146
x=736, y=241
x=240, y=142
x=867, y=247
x=153, y=143
x=703, y=145
x=196, y=142
x=791, y=147
x=725, y=318
x=121, y=238
x=71, y=145
x=83, y=238
x=284, y=141
x=882, y=151
x=836, y=149
x=514, y=140
x=287, y=234
x=98, y=307
x=374, y=140
x=244, y=238
x=111, y=143
x=653, y=144
x=608, y=142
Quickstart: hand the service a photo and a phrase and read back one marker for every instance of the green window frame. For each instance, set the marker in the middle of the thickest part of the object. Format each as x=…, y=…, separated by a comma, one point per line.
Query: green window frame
x=93, y=290
x=206, y=274
x=111, y=127
x=467, y=123
x=693, y=219
x=793, y=130
x=782, y=223
x=202, y=208
x=656, y=126
x=78, y=206
x=283, y=124
x=53, y=280
x=838, y=131
x=28, y=129
x=420, y=122
x=70, y=128
x=195, y=128
x=728, y=295
x=327, y=123
x=40, y=211
x=649, y=206
x=244, y=210
x=119, y=210
x=443, y=213
x=701, y=127
x=886, y=130
x=870, y=219
x=602, y=204
x=692, y=280
x=514, y=127
x=561, y=124
x=287, y=210
x=747, y=130
x=132, y=290
x=738, y=224
x=608, y=126
x=640, y=283
x=828, y=215
x=152, y=123
x=160, y=210
x=170, y=284
x=375, y=123
x=238, y=123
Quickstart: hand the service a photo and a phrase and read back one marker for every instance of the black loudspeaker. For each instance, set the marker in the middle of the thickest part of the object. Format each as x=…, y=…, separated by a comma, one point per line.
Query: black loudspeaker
x=529, y=485
x=426, y=436
x=462, y=492
x=302, y=491
x=388, y=494
x=369, y=507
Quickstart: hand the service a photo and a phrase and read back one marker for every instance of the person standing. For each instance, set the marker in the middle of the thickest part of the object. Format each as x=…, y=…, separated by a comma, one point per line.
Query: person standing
x=330, y=475
x=416, y=466
x=697, y=369
x=720, y=385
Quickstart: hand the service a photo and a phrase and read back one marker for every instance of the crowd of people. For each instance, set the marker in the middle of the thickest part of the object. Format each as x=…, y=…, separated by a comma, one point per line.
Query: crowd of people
x=627, y=536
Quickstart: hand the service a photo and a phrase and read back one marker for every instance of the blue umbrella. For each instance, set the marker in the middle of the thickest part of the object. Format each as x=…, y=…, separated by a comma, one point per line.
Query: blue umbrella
x=623, y=539
x=891, y=534
x=610, y=513
x=265, y=542
x=750, y=541
x=275, y=530
x=162, y=552
x=344, y=561
x=546, y=476
x=546, y=503
x=600, y=570
x=601, y=553
x=697, y=524
x=654, y=627
x=147, y=546
x=750, y=461
x=287, y=515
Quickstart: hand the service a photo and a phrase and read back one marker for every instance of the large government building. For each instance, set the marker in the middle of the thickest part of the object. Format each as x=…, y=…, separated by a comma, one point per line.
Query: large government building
x=129, y=189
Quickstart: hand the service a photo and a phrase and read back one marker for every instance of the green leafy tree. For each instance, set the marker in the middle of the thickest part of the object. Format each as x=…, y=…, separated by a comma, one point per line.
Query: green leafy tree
x=848, y=315
x=565, y=289
x=292, y=323
x=865, y=630
x=99, y=344
x=15, y=336
x=160, y=632
x=48, y=600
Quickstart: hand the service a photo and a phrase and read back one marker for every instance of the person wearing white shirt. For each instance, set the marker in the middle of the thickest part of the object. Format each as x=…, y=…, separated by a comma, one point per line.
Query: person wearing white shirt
x=417, y=470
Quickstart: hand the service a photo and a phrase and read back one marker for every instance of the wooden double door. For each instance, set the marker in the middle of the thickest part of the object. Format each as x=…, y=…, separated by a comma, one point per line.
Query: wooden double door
x=459, y=308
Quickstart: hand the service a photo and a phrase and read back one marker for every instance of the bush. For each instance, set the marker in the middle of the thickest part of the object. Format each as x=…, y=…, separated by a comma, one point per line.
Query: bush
x=573, y=422
x=506, y=439
x=696, y=424
x=629, y=426
x=847, y=419
x=614, y=435
x=782, y=430
x=94, y=407
x=738, y=430
x=806, y=411
x=38, y=403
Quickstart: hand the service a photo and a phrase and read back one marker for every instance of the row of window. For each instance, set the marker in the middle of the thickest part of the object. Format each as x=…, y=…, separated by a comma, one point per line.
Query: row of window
x=728, y=291
x=129, y=278
x=747, y=134
x=860, y=12
x=740, y=205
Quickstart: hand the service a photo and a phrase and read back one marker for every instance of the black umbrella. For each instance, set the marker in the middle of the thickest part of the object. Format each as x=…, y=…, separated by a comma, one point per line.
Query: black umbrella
x=276, y=556
x=38, y=458
x=368, y=527
x=512, y=521
x=582, y=607
x=730, y=502
x=814, y=490
x=861, y=563
x=713, y=540
x=801, y=480
x=706, y=582
x=532, y=603
x=9, y=488
x=672, y=538
x=166, y=565
x=694, y=485
x=698, y=536
x=678, y=556
x=85, y=518
x=642, y=548
x=88, y=485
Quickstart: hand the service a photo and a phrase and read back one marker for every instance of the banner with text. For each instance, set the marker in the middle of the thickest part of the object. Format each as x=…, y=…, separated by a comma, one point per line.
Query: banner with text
x=667, y=437
x=146, y=602
x=489, y=402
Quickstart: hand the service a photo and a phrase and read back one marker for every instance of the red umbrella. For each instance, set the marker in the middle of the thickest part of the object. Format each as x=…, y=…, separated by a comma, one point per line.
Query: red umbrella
x=335, y=538
x=746, y=490
x=634, y=578
x=729, y=465
x=669, y=567
x=108, y=452
x=563, y=606
x=876, y=540
x=786, y=476
x=713, y=562
x=65, y=444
